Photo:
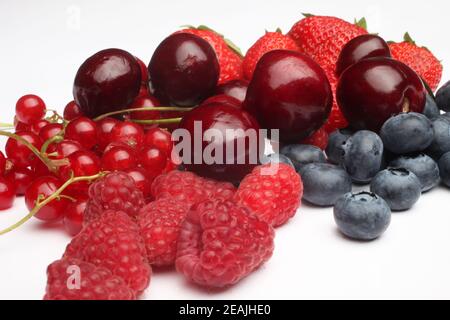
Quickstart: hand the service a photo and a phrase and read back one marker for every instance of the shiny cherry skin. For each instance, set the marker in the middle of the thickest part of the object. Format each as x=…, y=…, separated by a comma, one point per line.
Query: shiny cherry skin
x=118, y=159
x=146, y=101
x=289, y=92
x=152, y=160
x=20, y=154
x=46, y=186
x=104, y=128
x=51, y=130
x=7, y=193
x=128, y=132
x=83, y=130
x=30, y=108
x=72, y=111
x=142, y=180
x=183, y=70
x=234, y=88
x=373, y=90
x=363, y=47
x=223, y=99
x=160, y=139
x=2, y=163
x=144, y=71
x=22, y=178
x=38, y=125
x=74, y=216
x=107, y=81
x=221, y=118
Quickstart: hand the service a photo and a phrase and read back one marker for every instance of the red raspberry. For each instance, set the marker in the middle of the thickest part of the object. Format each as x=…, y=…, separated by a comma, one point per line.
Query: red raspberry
x=160, y=223
x=113, y=242
x=96, y=283
x=272, y=193
x=117, y=191
x=188, y=187
x=221, y=242
x=318, y=139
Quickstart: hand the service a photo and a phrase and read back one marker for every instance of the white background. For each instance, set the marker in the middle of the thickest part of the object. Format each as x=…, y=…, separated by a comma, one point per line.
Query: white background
x=44, y=42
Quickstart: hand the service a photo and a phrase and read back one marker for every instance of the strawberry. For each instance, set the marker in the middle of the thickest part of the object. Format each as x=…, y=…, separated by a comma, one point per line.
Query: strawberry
x=323, y=38
x=229, y=56
x=420, y=59
x=268, y=42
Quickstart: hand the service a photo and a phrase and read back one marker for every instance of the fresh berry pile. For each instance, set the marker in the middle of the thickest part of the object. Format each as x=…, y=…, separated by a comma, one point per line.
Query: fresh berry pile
x=119, y=171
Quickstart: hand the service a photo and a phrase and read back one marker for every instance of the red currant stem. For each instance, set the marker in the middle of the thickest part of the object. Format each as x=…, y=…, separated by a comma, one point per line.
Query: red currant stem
x=42, y=202
x=103, y=116
x=6, y=125
x=68, y=198
x=157, y=121
x=47, y=143
x=33, y=149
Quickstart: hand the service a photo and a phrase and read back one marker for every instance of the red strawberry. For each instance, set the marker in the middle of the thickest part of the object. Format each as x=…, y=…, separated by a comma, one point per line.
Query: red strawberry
x=420, y=59
x=323, y=38
x=229, y=56
x=318, y=139
x=268, y=42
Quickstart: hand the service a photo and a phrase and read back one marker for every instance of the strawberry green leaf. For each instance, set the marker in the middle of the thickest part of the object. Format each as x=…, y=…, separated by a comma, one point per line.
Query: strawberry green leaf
x=407, y=38
x=308, y=15
x=361, y=23
x=279, y=30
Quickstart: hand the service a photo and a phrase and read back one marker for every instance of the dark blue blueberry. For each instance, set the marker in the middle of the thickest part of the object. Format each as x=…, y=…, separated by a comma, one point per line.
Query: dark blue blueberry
x=302, y=154
x=276, y=158
x=423, y=166
x=400, y=188
x=363, y=156
x=336, y=140
x=363, y=216
x=441, y=141
x=443, y=97
x=446, y=115
x=431, y=110
x=407, y=133
x=444, y=167
x=324, y=183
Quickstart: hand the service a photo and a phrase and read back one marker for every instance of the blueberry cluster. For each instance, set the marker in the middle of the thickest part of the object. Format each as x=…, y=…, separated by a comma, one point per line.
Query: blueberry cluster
x=408, y=157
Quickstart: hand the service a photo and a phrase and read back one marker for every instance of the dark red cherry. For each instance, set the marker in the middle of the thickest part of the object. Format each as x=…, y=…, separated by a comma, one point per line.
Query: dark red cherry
x=227, y=124
x=107, y=81
x=7, y=193
x=22, y=178
x=72, y=111
x=146, y=101
x=234, y=88
x=223, y=99
x=183, y=70
x=360, y=48
x=289, y=92
x=144, y=71
x=74, y=214
x=373, y=90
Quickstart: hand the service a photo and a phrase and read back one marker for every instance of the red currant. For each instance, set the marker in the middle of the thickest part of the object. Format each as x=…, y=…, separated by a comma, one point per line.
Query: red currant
x=2, y=163
x=104, y=128
x=42, y=188
x=129, y=133
x=118, y=158
x=7, y=193
x=38, y=125
x=30, y=108
x=152, y=160
x=159, y=138
x=20, y=126
x=72, y=111
x=83, y=130
x=144, y=71
x=141, y=179
x=146, y=101
x=65, y=148
x=20, y=154
x=22, y=178
x=50, y=131
x=40, y=169
x=73, y=218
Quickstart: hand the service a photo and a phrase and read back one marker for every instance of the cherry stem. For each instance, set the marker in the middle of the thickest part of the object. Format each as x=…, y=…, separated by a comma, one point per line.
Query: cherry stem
x=179, y=109
x=51, y=166
x=157, y=121
x=42, y=202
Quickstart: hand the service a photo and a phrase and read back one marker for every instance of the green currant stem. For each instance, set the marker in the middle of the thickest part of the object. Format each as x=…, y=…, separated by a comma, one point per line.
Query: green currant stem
x=40, y=203
x=6, y=125
x=51, y=166
x=157, y=121
x=179, y=109
x=57, y=138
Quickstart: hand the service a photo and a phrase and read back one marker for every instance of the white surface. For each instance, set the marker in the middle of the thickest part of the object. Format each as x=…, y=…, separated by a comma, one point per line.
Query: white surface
x=44, y=42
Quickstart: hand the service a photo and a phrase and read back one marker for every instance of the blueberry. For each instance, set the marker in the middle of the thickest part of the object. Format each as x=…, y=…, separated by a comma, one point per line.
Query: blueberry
x=276, y=158
x=302, y=154
x=444, y=167
x=441, y=141
x=424, y=167
x=400, y=188
x=431, y=110
x=407, y=133
x=336, y=140
x=363, y=156
x=446, y=115
x=363, y=216
x=324, y=183
x=443, y=97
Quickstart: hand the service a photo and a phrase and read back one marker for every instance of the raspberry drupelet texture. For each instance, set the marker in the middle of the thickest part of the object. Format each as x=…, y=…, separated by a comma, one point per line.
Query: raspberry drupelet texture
x=273, y=194
x=116, y=191
x=159, y=223
x=189, y=188
x=221, y=242
x=113, y=242
x=95, y=283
